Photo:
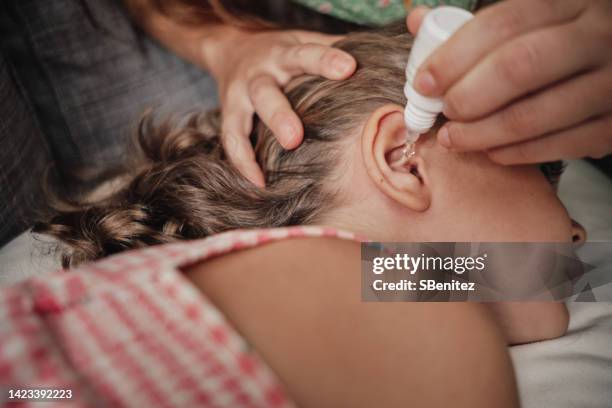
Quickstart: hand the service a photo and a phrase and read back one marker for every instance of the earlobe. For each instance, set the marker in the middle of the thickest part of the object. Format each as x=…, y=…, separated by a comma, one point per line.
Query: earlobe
x=400, y=178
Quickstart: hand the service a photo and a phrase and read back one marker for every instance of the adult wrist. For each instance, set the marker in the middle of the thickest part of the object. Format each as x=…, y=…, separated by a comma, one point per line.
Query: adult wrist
x=215, y=45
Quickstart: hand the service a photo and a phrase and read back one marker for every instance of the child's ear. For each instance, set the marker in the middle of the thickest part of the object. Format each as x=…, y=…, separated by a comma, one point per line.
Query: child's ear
x=382, y=146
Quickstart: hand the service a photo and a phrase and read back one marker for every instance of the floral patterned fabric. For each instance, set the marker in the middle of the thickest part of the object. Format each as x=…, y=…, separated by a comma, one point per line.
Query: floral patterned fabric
x=366, y=12
x=378, y=12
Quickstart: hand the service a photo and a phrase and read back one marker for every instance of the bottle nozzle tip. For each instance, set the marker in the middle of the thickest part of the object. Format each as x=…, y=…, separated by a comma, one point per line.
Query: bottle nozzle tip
x=412, y=136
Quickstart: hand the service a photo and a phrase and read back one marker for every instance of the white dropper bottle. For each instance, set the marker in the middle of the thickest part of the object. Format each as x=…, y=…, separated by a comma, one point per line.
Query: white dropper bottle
x=437, y=27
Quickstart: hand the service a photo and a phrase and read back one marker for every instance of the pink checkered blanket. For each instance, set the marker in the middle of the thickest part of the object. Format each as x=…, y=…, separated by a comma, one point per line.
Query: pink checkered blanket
x=132, y=331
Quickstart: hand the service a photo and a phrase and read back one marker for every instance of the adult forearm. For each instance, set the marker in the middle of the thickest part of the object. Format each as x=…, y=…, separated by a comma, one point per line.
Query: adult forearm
x=195, y=43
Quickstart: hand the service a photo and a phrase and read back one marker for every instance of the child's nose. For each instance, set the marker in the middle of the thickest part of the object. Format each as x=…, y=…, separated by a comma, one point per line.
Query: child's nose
x=579, y=234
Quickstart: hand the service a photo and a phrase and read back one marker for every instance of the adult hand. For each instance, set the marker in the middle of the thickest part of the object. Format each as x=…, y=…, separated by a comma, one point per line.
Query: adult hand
x=526, y=80
x=251, y=68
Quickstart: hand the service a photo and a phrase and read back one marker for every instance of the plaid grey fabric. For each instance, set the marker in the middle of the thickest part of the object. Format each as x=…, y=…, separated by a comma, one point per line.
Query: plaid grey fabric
x=24, y=157
x=88, y=75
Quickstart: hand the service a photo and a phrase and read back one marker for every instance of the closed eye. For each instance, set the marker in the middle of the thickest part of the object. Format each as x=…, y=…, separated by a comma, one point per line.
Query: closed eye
x=553, y=171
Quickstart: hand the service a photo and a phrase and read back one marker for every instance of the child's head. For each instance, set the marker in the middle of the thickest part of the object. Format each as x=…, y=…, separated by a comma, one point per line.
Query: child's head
x=349, y=173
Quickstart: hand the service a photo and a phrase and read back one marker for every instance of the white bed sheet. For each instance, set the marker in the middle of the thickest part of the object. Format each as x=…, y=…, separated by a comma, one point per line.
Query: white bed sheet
x=574, y=371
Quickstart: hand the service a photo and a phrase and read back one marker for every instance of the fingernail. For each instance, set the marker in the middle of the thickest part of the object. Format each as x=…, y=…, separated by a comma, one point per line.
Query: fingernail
x=425, y=83
x=342, y=64
x=258, y=181
x=287, y=136
x=254, y=176
x=444, y=137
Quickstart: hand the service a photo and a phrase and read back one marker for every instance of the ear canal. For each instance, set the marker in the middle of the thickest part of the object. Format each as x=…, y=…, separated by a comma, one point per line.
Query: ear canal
x=401, y=160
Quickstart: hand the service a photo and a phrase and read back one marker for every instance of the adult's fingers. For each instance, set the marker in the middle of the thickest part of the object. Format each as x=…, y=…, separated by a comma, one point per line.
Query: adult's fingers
x=415, y=18
x=317, y=59
x=591, y=139
x=235, y=130
x=522, y=65
x=553, y=109
x=275, y=111
x=316, y=38
x=243, y=158
x=490, y=28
